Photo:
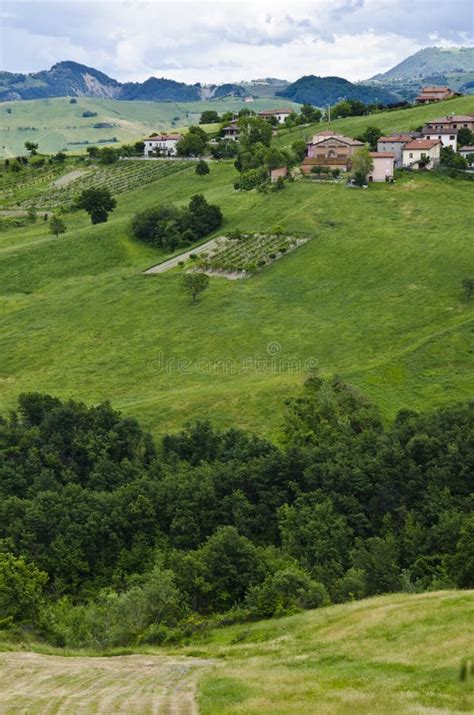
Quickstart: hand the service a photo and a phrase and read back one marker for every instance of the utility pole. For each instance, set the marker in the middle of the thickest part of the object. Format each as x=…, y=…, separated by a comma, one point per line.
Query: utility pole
x=329, y=112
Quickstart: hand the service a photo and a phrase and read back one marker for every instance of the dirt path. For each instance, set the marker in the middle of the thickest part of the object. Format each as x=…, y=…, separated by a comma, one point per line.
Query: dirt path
x=173, y=262
x=68, y=178
x=134, y=684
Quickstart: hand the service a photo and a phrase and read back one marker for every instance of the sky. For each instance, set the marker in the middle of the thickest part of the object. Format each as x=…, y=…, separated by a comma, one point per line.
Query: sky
x=215, y=42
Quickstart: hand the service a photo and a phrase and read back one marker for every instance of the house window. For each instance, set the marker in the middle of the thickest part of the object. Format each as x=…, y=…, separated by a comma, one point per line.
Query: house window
x=451, y=136
x=410, y=155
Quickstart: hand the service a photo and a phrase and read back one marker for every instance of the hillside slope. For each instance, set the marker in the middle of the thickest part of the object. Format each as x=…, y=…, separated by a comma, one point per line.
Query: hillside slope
x=375, y=296
x=321, y=91
x=393, y=654
x=431, y=60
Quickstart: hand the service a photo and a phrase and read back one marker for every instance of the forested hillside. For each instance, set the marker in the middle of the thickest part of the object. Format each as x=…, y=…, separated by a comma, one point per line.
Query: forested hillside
x=95, y=518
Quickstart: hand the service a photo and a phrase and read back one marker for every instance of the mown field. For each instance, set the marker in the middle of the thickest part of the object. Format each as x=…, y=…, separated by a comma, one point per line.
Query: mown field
x=374, y=296
x=391, y=654
x=56, y=125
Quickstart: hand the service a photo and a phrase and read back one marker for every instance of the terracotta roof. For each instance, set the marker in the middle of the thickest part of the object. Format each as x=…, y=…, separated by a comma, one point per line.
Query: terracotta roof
x=452, y=118
x=467, y=148
x=396, y=138
x=164, y=137
x=276, y=111
x=422, y=144
x=324, y=136
x=435, y=88
x=382, y=155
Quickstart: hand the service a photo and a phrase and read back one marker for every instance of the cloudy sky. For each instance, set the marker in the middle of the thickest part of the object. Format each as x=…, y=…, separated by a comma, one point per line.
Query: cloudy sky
x=226, y=41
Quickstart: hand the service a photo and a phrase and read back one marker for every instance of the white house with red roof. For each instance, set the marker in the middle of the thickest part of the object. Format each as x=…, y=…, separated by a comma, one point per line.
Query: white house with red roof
x=164, y=144
x=422, y=153
x=279, y=114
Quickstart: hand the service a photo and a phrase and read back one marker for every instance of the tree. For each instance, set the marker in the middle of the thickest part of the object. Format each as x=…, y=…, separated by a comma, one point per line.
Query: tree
x=465, y=137
x=57, y=226
x=309, y=114
x=21, y=588
x=254, y=130
x=193, y=143
x=93, y=152
x=209, y=116
x=98, y=203
x=32, y=148
x=108, y=155
x=60, y=157
x=371, y=137
x=299, y=149
x=362, y=165
x=195, y=283
x=202, y=167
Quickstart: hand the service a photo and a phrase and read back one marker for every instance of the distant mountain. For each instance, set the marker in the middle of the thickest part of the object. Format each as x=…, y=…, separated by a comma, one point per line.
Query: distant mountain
x=432, y=61
x=160, y=90
x=329, y=90
x=62, y=80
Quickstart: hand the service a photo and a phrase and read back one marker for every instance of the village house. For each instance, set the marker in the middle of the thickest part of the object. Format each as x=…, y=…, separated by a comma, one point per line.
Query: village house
x=164, y=143
x=446, y=137
x=383, y=166
x=467, y=151
x=450, y=123
x=231, y=131
x=394, y=144
x=433, y=93
x=422, y=153
x=330, y=149
x=279, y=114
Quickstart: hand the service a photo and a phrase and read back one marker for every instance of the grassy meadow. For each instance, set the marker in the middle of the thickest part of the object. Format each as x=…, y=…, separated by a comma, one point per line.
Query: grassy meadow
x=391, y=654
x=375, y=296
x=56, y=125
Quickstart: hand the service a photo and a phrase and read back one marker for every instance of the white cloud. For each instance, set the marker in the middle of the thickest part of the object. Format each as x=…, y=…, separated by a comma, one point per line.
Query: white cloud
x=215, y=42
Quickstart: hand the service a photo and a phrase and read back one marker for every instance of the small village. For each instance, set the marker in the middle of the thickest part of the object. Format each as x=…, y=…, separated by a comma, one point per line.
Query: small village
x=330, y=153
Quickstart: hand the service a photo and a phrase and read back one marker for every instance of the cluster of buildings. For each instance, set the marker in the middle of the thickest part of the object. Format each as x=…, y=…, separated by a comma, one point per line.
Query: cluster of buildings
x=410, y=150
x=231, y=131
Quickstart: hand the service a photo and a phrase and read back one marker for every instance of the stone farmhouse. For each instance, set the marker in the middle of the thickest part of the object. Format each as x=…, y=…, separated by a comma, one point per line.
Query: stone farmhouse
x=164, y=143
x=431, y=94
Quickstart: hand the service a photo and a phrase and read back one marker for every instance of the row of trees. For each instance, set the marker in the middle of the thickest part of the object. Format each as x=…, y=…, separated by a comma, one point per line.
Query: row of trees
x=107, y=538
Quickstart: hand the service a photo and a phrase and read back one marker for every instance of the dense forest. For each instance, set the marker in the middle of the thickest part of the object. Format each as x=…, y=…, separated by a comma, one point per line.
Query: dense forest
x=109, y=539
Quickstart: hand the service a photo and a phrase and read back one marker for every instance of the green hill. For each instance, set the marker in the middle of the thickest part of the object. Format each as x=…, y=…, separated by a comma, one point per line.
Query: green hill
x=430, y=61
x=392, y=654
x=388, y=122
x=375, y=296
x=58, y=125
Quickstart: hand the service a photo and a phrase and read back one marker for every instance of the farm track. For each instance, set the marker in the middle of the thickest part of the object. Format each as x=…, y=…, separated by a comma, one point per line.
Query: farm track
x=135, y=684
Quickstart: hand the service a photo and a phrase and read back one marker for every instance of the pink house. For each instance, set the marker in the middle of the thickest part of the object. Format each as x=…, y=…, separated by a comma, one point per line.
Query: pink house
x=384, y=164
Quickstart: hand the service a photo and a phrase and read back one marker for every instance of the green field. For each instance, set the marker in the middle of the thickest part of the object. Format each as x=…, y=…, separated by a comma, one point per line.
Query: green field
x=374, y=296
x=386, y=655
x=58, y=125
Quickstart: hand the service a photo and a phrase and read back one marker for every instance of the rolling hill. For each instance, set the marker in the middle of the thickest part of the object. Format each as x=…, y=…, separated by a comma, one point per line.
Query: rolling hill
x=321, y=91
x=374, y=296
x=399, y=653
x=56, y=124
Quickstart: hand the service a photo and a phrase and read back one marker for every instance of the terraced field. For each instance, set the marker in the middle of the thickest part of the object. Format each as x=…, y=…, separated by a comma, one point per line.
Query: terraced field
x=154, y=685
